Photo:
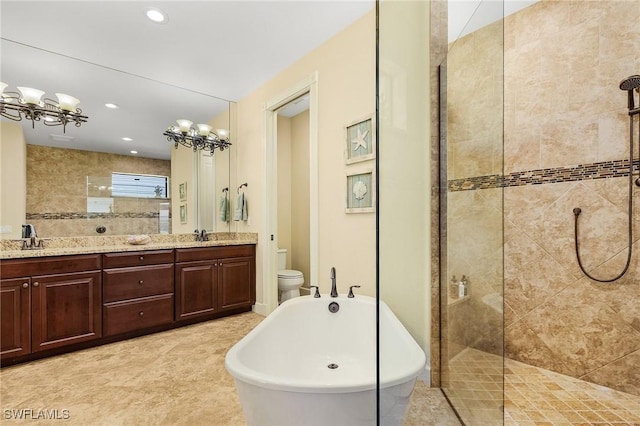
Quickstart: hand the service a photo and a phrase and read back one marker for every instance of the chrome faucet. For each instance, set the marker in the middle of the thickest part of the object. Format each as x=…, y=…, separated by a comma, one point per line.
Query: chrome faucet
x=334, y=290
x=202, y=235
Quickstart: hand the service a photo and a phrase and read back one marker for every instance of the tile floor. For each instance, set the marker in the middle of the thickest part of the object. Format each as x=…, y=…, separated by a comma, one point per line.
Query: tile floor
x=532, y=396
x=178, y=378
x=171, y=378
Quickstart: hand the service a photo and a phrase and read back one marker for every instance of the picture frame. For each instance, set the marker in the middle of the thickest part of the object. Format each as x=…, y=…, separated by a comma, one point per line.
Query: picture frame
x=183, y=213
x=360, y=140
x=182, y=190
x=360, y=192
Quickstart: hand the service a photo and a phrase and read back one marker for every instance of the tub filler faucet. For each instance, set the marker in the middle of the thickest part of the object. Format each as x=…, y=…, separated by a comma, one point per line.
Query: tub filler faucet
x=334, y=290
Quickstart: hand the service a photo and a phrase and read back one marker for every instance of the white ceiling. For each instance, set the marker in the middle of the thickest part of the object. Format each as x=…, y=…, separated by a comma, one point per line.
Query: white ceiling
x=207, y=49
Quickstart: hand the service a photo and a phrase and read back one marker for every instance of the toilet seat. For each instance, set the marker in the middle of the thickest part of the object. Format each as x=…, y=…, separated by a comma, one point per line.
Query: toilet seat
x=289, y=274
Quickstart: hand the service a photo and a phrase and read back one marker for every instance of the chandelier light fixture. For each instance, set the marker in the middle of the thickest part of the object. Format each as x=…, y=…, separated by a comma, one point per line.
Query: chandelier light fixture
x=200, y=137
x=29, y=105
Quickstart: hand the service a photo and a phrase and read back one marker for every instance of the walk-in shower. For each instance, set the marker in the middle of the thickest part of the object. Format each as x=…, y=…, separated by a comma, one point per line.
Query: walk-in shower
x=630, y=85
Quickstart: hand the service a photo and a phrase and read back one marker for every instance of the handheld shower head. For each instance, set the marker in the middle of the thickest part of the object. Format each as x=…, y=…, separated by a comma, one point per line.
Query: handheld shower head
x=629, y=84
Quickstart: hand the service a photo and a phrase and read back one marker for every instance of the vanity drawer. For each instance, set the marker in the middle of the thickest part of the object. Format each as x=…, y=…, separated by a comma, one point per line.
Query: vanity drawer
x=131, y=283
x=210, y=253
x=120, y=317
x=138, y=258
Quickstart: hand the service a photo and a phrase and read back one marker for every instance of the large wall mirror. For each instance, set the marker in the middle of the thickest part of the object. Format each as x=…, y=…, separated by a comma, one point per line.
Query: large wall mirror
x=75, y=177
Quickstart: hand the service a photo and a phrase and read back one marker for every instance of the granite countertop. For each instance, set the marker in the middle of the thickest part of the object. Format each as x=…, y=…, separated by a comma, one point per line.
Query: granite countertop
x=11, y=249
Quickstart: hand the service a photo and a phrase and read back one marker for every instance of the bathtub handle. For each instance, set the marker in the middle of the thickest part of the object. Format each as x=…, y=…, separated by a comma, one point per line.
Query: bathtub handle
x=317, y=293
x=351, y=290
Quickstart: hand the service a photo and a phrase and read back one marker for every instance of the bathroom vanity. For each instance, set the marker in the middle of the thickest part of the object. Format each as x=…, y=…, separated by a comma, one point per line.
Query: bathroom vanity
x=54, y=303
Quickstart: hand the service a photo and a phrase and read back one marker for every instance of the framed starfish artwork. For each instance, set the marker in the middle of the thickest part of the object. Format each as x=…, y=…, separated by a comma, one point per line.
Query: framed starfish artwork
x=360, y=141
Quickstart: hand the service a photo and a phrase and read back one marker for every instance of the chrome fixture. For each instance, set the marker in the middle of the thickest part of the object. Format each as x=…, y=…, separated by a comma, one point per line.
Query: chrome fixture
x=350, y=295
x=200, y=137
x=30, y=240
x=317, y=293
x=334, y=291
x=29, y=105
x=202, y=235
x=334, y=307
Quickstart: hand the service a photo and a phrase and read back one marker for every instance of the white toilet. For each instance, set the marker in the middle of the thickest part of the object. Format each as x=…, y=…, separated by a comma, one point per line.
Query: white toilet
x=289, y=280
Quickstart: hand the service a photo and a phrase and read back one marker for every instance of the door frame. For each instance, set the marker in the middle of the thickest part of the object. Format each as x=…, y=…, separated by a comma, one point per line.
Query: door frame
x=270, y=255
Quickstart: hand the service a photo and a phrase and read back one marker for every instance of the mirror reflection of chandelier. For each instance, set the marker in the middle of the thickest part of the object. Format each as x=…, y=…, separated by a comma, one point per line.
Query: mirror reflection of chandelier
x=200, y=137
x=29, y=105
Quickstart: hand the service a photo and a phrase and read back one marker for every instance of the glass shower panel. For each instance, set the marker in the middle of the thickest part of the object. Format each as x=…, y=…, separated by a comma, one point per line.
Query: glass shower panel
x=471, y=281
x=404, y=189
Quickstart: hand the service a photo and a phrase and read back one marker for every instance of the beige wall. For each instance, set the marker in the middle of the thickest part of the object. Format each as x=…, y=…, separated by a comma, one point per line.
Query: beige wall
x=346, y=91
x=284, y=186
x=293, y=191
x=404, y=165
x=300, y=194
x=13, y=171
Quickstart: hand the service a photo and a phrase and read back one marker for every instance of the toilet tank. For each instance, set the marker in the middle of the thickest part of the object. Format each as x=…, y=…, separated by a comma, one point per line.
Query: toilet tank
x=282, y=259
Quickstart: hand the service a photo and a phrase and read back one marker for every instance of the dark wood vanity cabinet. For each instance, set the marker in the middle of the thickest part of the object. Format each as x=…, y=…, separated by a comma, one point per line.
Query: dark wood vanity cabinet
x=137, y=290
x=49, y=303
x=54, y=302
x=15, y=316
x=214, y=279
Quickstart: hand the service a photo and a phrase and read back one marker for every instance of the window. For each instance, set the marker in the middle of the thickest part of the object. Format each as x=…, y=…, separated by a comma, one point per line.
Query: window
x=140, y=186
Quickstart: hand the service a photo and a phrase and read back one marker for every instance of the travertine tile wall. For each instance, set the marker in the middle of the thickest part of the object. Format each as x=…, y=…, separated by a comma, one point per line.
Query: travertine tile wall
x=563, y=107
x=563, y=61
x=474, y=218
x=57, y=192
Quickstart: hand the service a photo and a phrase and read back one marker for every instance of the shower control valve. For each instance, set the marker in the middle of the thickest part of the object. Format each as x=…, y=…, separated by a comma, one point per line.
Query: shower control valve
x=350, y=295
x=317, y=293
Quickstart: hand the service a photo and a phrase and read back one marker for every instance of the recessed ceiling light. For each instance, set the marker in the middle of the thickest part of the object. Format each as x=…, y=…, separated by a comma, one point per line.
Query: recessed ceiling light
x=133, y=152
x=127, y=139
x=156, y=15
x=112, y=106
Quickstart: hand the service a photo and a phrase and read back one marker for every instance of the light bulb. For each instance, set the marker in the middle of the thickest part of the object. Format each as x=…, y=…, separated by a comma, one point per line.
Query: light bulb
x=67, y=102
x=222, y=133
x=30, y=95
x=185, y=125
x=204, y=129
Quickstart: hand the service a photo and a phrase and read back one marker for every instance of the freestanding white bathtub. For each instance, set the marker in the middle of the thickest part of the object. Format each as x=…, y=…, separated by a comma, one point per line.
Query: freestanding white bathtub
x=304, y=365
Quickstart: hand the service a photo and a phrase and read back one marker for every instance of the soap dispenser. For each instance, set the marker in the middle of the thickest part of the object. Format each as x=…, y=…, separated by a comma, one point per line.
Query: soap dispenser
x=463, y=287
x=453, y=288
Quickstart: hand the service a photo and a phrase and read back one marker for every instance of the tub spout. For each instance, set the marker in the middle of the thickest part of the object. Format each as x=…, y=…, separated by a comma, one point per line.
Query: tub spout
x=334, y=290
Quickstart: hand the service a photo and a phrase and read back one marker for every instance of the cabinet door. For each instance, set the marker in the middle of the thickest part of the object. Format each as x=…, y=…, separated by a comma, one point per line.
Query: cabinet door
x=195, y=289
x=15, y=317
x=236, y=283
x=66, y=309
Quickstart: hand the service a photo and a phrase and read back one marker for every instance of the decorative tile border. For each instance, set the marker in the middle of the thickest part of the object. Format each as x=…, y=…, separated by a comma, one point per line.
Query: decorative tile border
x=85, y=215
x=602, y=170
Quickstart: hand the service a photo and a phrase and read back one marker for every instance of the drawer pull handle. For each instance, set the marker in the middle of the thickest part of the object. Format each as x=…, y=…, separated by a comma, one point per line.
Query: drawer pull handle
x=25, y=285
x=36, y=284
x=141, y=282
x=141, y=313
x=141, y=258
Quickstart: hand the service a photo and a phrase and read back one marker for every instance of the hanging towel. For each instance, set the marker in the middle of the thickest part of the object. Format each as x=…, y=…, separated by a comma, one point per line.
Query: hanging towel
x=241, y=211
x=223, y=212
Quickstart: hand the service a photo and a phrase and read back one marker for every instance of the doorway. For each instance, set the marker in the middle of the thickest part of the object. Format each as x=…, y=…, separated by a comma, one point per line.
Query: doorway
x=293, y=185
x=270, y=260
